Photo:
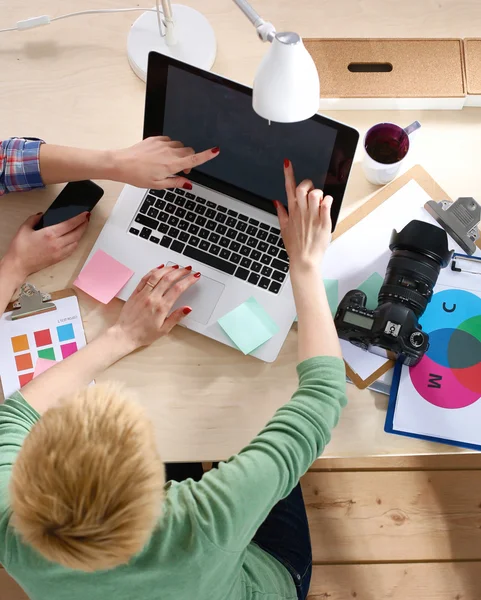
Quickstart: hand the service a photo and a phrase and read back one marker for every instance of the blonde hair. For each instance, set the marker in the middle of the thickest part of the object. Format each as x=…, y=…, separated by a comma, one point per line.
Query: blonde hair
x=87, y=485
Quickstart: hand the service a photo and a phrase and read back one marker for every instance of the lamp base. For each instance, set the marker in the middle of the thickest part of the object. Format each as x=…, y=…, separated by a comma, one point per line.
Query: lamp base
x=195, y=40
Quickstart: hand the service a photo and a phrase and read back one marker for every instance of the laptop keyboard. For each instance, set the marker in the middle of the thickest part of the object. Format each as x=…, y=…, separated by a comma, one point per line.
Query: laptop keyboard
x=214, y=235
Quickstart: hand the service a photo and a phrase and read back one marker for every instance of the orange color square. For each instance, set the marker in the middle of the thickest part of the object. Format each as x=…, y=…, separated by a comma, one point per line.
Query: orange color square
x=20, y=343
x=43, y=338
x=24, y=379
x=24, y=362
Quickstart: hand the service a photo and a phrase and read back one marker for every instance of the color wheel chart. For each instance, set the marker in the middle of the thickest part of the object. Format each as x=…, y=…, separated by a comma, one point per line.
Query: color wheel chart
x=449, y=375
x=440, y=398
x=51, y=336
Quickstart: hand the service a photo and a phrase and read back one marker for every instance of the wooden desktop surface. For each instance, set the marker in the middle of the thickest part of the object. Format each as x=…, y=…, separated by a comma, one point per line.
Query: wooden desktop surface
x=70, y=83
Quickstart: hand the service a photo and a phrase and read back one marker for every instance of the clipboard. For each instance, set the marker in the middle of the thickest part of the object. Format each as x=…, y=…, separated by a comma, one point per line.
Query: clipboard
x=432, y=406
x=37, y=326
x=32, y=302
x=429, y=185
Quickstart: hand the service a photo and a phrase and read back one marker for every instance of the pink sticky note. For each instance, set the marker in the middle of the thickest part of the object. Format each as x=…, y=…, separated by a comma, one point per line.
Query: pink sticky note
x=43, y=365
x=103, y=277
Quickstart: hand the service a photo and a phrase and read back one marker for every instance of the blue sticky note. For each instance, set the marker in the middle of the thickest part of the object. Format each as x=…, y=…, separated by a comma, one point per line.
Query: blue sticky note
x=371, y=288
x=332, y=292
x=65, y=332
x=248, y=326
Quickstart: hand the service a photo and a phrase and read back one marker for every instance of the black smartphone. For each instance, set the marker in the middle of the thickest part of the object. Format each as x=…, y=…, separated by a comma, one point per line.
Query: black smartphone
x=75, y=198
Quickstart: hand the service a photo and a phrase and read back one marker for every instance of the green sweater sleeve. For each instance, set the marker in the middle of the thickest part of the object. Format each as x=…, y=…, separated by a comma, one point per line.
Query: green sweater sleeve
x=17, y=418
x=233, y=500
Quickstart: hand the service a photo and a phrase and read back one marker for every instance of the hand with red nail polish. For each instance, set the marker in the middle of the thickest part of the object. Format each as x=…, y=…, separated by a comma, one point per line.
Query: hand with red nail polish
x=154, y=162
x=145, y=316
x=306, y=229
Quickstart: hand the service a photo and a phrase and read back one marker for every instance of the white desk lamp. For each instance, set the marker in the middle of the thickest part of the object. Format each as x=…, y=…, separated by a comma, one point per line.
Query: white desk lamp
x=286, y=85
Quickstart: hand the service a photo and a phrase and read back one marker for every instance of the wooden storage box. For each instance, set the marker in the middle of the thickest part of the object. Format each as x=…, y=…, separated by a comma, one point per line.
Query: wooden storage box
x=389, y=73
x=472, y=64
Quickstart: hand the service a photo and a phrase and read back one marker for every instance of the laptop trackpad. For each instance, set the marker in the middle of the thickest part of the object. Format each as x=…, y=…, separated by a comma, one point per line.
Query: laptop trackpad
x=202, y=297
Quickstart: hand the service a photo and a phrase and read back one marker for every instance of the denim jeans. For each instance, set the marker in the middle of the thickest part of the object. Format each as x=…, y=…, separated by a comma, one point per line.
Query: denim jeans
x=284, y=534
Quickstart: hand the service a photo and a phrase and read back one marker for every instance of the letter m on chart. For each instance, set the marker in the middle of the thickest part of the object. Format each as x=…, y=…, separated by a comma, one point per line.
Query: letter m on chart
x=434, y=380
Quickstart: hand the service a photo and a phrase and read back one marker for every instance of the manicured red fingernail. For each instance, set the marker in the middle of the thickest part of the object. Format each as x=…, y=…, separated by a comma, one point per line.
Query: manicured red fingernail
x=216, y=150
x=175, y=267
x=88, y=216
x=188, y=268
x=286, y=163
x=275, y=203
x=187, y=310
x=160, y=266
x=197, y=275
x=38, y=214
x=187, y=185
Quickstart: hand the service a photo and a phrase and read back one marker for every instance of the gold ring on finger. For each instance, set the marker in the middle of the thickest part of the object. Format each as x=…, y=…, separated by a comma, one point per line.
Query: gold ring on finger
x=151, y=285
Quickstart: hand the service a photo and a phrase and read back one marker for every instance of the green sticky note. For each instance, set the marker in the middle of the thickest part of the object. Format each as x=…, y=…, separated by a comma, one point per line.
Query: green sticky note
x=47, y=353
x=332, y=292
x=371, y=288
x=248, y=326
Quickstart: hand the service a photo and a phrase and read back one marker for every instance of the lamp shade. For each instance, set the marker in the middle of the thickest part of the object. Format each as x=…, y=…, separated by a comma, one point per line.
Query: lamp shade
x=286, y=85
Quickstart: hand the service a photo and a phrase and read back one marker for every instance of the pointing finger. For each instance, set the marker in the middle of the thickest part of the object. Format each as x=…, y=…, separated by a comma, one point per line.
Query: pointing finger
x=190, y=162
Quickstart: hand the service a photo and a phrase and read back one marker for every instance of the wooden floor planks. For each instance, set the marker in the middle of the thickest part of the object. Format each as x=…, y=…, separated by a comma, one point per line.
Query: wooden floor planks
x=425, y=581
x=394, y=516
x=395, y=529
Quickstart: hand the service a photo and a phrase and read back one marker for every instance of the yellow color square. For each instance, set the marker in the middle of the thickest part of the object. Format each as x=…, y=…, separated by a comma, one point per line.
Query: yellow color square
x=20, y=343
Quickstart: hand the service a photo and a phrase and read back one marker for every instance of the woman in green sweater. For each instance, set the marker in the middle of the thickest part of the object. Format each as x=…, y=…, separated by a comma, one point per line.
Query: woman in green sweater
x=84, y=510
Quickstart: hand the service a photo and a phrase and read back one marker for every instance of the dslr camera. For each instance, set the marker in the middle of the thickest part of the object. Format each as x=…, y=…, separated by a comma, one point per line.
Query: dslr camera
x=419, y=252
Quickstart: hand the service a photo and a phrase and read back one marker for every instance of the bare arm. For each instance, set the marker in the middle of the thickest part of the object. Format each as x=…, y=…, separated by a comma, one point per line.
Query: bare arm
x=150, y=163
x=59, y=164
x=142, y=320
x=306, y=231
x=317, y=333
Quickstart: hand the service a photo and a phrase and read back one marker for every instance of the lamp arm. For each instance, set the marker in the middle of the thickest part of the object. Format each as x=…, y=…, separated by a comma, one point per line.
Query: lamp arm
x=170, y=38
x=265, y=30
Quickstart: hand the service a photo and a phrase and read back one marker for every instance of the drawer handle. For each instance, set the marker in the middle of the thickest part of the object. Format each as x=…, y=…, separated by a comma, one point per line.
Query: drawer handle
x=370, y=67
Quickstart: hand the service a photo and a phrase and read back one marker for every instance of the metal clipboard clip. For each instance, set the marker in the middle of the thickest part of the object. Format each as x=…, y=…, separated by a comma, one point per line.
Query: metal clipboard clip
x=31, y=302
x=460, y=219
x=463, y=263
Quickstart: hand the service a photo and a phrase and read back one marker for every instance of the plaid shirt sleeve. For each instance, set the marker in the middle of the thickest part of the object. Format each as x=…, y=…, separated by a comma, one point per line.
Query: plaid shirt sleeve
x=19, y=165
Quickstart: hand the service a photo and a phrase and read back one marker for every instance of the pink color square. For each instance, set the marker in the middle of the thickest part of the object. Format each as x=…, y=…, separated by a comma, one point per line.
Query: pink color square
x=103, y=277
x=68, y=349
x=43, y=365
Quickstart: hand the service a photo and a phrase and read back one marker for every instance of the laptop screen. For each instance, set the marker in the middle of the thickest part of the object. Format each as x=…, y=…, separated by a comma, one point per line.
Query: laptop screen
x=203, y=110
x=203, y=114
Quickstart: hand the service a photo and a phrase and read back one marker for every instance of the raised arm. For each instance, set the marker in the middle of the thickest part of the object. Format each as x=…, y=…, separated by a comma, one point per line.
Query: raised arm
x=306, y=232
x=235, y=499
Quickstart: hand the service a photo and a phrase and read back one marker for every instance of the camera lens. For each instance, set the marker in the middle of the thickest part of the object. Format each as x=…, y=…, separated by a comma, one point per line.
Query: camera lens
x=419, y=251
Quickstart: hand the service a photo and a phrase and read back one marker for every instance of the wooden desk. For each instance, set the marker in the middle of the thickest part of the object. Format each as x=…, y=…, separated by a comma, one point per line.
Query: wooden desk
x=70, y=83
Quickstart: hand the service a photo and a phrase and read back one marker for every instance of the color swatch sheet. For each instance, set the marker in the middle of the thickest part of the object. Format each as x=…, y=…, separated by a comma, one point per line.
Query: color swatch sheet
x=359, y=257
x=440, y=397
x=50, y=336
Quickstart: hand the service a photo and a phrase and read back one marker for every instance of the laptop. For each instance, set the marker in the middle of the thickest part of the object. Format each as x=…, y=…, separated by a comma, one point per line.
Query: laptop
x=226, y=227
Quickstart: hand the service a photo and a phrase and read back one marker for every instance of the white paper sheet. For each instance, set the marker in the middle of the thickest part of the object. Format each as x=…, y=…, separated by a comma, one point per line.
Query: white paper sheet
x=63, y=341
x=364, y=249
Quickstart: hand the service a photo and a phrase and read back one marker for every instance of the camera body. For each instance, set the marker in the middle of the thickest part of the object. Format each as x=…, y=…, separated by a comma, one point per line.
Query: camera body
x=418, y=253
x=391, y=327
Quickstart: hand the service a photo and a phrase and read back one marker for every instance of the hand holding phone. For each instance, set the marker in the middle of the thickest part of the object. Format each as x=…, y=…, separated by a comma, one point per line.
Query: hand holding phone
x=75, y=198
